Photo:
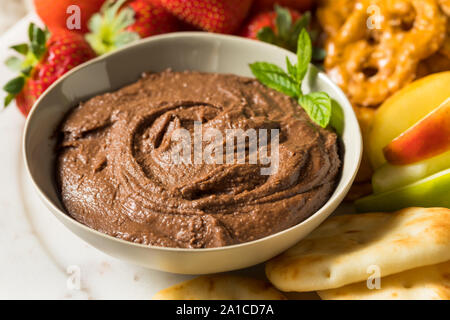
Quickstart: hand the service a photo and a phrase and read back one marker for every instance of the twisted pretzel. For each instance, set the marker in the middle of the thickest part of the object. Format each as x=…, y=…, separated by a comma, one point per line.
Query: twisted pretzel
x=445, y=6
x=445, y=49
x=373, y=55
x=438, y=62
x=332, y=14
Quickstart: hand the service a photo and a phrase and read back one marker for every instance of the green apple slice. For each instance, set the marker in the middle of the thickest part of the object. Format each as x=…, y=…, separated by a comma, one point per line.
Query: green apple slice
x=433, y=191
x=389, y=177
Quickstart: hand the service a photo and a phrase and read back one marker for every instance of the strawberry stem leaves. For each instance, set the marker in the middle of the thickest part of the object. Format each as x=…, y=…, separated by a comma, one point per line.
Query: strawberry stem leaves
x=32, y=53
x=13, y=88
x=283, y=22
x=299, y=25
x=14, y=63
x=8, y=99
x=318, y=105
x=266, y=34
x=21, y=48
x=108, y=28
x=38, y=39
x=287, y=32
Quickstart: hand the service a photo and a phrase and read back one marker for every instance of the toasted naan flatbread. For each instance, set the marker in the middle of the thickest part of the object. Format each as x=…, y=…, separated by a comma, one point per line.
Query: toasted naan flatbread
x=345, y=248
x=221, y=287
x=426, y=283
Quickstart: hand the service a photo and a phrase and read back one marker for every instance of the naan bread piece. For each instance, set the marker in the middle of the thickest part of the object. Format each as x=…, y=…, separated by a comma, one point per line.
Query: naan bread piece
x=426, y=283
x=344, y=248
x=221, y=287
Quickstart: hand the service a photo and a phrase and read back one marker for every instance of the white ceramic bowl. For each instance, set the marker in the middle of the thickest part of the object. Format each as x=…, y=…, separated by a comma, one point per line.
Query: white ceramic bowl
x=180, y=51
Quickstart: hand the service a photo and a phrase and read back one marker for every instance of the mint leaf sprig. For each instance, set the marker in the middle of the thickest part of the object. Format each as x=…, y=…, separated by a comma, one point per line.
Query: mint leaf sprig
x=316, y=104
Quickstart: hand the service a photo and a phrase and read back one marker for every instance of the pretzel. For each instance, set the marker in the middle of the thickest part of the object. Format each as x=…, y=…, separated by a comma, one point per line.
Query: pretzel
x=440, y=61
x=370, y=64
x=436, y=63
x=445, y=6
x=445, y=49
x=332, y=14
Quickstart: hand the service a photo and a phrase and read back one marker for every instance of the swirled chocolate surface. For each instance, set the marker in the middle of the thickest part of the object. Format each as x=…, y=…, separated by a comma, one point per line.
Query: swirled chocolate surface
x=116, y=174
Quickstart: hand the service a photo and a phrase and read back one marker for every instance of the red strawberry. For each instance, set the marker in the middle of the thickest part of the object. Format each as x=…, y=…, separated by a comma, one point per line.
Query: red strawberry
x=46, y=60
x=222, y=16
x=55, y=13
x=266, y=19
x=280, y=27
x=122, y=22
x=151, y=18
x=301, y=5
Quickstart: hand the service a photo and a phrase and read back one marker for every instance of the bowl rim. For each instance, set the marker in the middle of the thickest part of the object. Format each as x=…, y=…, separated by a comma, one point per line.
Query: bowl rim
x=180, y=35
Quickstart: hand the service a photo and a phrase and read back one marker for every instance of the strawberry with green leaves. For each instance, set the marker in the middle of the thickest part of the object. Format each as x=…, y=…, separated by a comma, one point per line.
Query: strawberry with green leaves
x=221, y=16
x=121, y=22
x=44, y=60
x=281, y=27
x=316, y=104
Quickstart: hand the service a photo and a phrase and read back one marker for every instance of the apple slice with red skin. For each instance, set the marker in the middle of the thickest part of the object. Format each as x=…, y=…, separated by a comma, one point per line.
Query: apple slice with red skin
x=427, y=138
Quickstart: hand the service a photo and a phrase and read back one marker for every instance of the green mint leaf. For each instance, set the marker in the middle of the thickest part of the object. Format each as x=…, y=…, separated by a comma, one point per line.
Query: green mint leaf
x=266, y=34
x=292, y=70
x=14, y=63
x=274, y=77
x=318, y=106
x=21, y=48
x=283, y=22
x=337, y=117
x=15, y=85
x=304, y=54
x=10, y=97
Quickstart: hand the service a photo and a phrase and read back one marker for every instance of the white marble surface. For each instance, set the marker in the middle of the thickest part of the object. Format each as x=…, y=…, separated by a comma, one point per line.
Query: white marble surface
x=11, y=11
x=36, y=251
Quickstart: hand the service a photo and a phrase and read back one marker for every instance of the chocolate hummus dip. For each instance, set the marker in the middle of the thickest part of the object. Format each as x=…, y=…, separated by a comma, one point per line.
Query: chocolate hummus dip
x=115, y=172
